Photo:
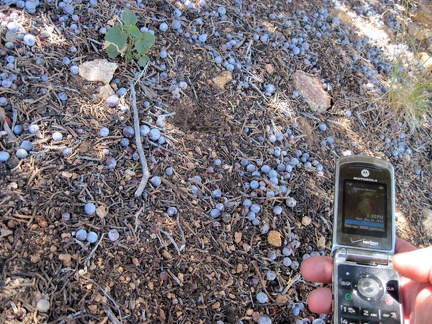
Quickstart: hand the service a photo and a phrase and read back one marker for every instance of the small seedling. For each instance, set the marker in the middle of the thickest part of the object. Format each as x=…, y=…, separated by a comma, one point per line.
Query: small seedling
x=127, y=40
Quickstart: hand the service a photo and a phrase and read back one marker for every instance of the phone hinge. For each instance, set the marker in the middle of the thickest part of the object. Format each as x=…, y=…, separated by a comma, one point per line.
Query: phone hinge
x=367, y=257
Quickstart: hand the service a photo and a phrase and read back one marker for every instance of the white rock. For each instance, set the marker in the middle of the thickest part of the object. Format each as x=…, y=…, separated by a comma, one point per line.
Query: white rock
x=98, y=70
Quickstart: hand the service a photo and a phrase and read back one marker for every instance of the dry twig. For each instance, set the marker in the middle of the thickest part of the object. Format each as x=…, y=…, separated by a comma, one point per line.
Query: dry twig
x=146, y=172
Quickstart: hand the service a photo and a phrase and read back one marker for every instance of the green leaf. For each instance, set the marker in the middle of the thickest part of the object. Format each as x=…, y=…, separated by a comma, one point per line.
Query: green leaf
x=112, y=51
x=143, y=44
x=133, y=31
x=129, y=18
x=117, y=37
x=143, y=60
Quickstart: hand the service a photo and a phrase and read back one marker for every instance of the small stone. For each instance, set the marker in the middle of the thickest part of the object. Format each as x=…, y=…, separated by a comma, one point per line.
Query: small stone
x=321, y=242
x=269, y=68
x=43, y=305
x=274, y=238
x=101, y=211
x=306, y=220
x=221, y=80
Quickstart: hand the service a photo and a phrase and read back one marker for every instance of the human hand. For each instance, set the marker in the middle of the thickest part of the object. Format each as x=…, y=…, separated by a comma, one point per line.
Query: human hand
x=414, y=265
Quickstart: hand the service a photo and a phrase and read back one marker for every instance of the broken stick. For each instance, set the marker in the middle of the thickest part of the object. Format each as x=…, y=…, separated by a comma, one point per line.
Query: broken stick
x=146, y=173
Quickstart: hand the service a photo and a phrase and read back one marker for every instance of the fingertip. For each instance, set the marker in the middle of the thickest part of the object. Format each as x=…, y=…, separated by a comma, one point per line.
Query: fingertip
x=415, y=265
x=317, y=269
x=320, y=301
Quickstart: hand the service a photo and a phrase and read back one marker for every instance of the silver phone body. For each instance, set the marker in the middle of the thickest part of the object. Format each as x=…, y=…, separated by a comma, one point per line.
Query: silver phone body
x=366, y=288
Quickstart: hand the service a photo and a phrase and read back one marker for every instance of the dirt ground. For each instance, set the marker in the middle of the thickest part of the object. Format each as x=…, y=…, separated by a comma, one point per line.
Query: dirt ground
x=189, y=267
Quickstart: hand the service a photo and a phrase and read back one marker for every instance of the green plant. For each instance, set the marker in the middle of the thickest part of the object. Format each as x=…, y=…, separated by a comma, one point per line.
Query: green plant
x=410, y=91
x=127, y=40
x=410, y=82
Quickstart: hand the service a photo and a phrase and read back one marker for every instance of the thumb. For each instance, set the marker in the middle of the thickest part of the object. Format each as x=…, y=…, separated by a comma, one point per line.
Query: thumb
x=415, y=265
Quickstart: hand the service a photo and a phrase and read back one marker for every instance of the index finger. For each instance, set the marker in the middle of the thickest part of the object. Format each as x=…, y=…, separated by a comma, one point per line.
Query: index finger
x=317, y=269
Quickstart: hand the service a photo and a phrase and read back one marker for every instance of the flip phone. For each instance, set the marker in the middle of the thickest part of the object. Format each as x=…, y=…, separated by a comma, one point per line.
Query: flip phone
x=366, y=288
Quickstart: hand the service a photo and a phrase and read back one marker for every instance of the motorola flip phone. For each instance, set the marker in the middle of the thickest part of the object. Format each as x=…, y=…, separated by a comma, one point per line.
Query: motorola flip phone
x=366, y=288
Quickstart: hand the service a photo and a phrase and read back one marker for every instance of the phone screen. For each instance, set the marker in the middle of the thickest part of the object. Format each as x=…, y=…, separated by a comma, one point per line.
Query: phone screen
x=365, y=208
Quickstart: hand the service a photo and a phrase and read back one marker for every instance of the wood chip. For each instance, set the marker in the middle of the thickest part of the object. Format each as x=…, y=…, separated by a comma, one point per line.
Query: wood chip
x=274, y=238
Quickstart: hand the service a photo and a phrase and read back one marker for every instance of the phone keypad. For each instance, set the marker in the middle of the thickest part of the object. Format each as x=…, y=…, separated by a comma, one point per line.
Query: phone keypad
x=363, y=298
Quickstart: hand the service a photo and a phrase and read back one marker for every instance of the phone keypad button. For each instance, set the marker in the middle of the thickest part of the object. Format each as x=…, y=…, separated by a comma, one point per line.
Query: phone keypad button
x=349, y=321
x=345, y=284
x=348, y=296
x=372, y=313
x=392, y=289
x=350, y=310
x=389, y=315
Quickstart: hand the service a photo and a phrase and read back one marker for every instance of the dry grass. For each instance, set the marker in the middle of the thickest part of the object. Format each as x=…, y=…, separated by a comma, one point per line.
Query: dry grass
x=410, y=92
x=410, y=84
